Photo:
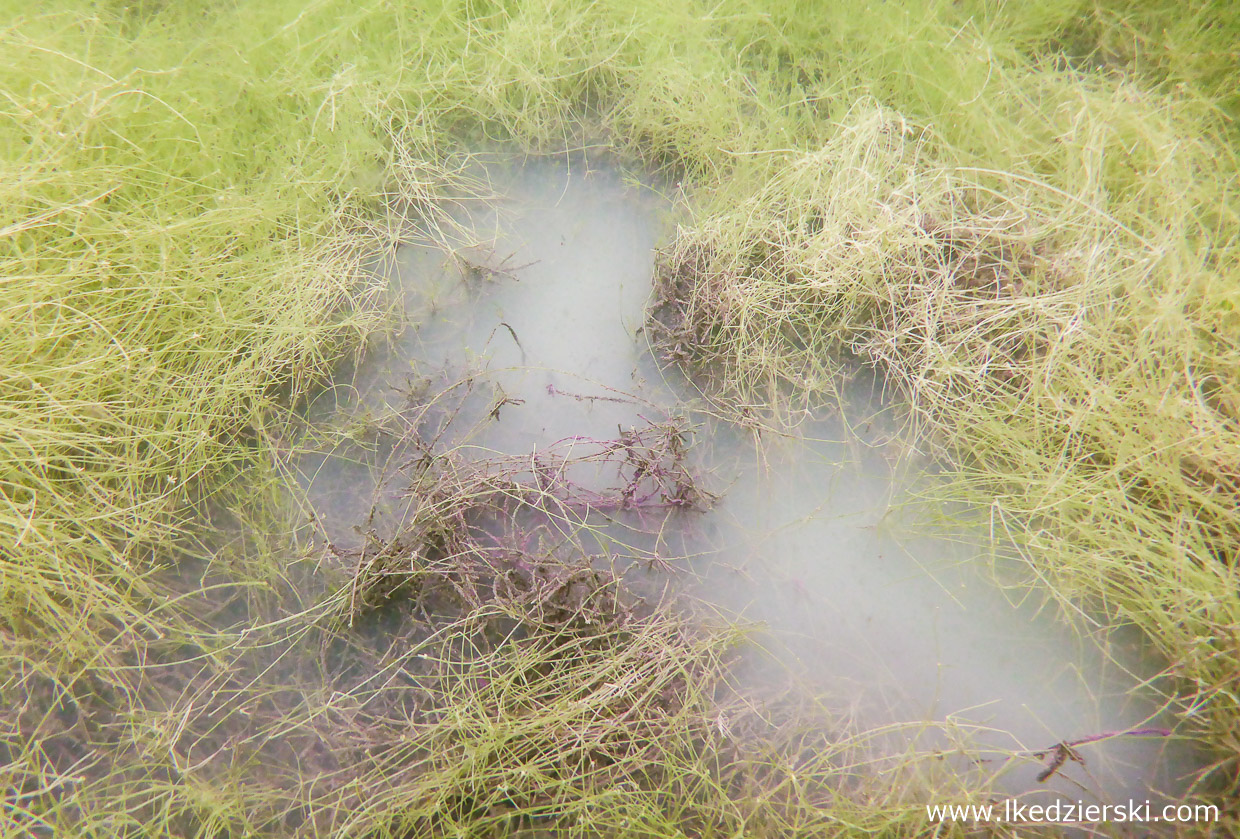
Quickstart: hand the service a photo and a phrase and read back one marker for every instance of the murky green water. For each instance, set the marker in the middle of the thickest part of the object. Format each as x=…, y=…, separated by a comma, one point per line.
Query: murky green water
x=531, y=346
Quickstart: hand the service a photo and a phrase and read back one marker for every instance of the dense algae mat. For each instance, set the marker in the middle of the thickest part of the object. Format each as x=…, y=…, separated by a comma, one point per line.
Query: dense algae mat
x=1038, y=245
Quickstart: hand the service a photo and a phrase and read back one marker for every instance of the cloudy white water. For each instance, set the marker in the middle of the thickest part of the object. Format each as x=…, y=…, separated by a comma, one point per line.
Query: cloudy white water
x=858, y=592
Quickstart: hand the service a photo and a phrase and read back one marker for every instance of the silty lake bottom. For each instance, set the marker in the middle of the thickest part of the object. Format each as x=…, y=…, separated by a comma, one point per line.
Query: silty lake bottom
x=524, y=332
